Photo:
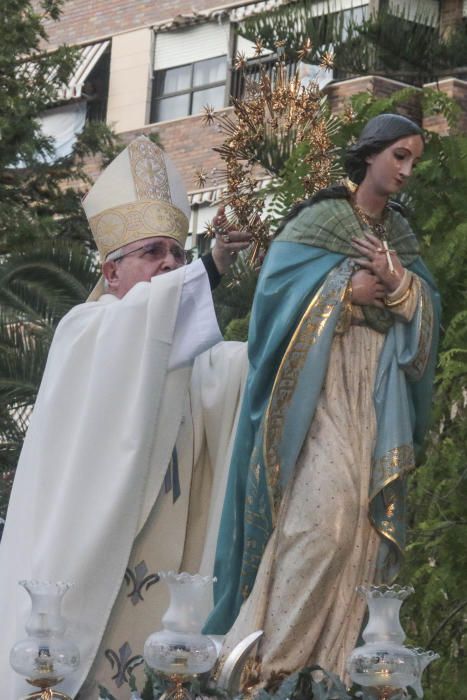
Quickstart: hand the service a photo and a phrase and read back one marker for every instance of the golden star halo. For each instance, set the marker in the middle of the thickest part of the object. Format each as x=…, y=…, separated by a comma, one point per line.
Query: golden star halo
x=209, y=113
x=201, y=178
x=240, y=62
x=274, y=115
x=327, y=60
x=305, y=49
x=259, y=48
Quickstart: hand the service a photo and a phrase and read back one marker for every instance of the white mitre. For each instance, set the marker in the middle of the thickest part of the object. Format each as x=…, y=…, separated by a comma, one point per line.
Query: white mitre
x=139, y=195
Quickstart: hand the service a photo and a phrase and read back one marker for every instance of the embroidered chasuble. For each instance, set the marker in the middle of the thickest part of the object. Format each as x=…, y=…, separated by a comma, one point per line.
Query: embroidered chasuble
x=181, y=531
x=96, y=458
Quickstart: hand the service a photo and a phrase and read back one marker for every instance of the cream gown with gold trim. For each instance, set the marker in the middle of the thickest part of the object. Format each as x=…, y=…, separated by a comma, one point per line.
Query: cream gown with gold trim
x=324, y=545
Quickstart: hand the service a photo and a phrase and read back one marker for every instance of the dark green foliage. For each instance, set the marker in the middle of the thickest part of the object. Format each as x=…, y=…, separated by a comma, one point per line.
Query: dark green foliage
x=44, y=200
x=414, y=51
x=384, y=43
x=436, y=562
x=47, y=259
x=233, y=300
x=437, y=556
x=37, y=287
x=237, y=329
x=25, y=85
x=38, y=199
x=294, y=24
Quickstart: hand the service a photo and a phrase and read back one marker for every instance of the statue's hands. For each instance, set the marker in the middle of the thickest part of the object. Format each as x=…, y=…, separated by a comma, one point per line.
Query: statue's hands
x=376, y=261
x=367, y=290
x=229, y=241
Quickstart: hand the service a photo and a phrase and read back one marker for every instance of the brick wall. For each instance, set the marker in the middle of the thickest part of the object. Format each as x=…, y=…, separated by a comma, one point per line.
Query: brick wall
x=186, y=140
x=87, y=20
x=340, y=93
x=457, y=90
x=189, y=143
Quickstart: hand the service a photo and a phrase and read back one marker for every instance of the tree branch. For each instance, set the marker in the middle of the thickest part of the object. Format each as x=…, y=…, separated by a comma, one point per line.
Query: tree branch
x=443, y=624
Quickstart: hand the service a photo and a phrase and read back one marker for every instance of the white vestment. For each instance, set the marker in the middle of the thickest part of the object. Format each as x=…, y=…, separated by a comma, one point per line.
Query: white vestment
x=93, y=462
x=181, y=531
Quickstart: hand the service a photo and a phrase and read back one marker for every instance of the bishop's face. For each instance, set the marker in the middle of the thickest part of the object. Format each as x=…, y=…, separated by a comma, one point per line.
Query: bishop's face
x=140, y=261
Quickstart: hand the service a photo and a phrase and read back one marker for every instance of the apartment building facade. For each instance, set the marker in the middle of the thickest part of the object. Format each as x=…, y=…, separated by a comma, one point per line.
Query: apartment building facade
x=152, y=65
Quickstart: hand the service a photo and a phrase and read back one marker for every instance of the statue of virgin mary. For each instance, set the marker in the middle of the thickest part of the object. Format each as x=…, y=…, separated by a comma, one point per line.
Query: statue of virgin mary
x=342, y=351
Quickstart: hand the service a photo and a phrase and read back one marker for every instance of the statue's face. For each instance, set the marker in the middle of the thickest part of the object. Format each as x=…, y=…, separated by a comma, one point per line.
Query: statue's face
x=140, y=261
x=388, y=171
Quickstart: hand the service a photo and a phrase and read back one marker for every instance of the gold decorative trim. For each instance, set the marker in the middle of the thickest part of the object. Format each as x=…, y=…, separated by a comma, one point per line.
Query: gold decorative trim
x=149, y=170
x=392, y=465
x=115, y=227
x=307, y=333
x=350, y=185
x=256, y=516
x=386, y=527
x=416, y=368
x=345, y=319
x=385, y=530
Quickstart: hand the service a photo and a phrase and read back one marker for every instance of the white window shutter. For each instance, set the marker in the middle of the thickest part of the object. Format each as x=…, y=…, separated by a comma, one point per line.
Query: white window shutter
x=181, y=46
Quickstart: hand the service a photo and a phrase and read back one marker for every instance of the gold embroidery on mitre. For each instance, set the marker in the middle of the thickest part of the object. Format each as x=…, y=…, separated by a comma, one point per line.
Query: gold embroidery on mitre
x=149, y=171
x=115, y=227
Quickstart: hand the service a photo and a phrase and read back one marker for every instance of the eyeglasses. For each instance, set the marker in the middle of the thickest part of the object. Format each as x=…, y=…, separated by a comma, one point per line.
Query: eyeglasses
x=157, y=250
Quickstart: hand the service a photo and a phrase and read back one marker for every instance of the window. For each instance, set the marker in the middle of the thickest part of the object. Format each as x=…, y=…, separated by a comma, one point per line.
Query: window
x=253, y=71
x=83, y=97
x=96, y=89
x=63, y=124
x=184, y=90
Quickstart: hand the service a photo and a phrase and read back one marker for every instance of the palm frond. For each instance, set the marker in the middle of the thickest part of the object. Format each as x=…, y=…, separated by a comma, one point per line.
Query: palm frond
x=43, y=283
x=38, y=285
